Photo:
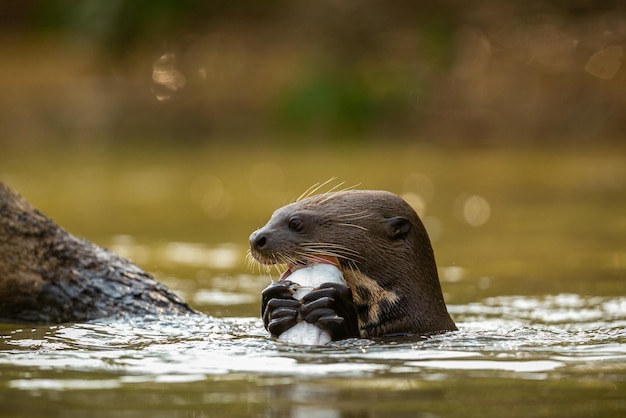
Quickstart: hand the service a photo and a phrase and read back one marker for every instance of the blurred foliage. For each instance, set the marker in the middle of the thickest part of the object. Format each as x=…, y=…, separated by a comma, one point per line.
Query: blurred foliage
x=326, y=101
x=119, y=23
x=196, y=71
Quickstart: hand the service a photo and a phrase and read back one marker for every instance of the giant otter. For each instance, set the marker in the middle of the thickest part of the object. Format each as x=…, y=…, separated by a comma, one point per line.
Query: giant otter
x=381, y=246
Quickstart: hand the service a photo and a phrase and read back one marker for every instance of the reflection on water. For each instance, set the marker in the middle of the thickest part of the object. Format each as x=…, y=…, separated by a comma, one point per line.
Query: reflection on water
x=514, y=339
x=223, y=257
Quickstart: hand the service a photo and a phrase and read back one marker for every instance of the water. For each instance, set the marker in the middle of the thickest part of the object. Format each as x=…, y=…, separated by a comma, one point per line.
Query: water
x=531, y=252
x=211, y=366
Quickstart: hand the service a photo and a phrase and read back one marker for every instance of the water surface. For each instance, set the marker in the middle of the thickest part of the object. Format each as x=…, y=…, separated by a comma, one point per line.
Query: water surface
x=532, y=258
x=557, y=354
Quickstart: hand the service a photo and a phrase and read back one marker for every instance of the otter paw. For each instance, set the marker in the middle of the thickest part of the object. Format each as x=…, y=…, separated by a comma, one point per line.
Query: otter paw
x=279, y=309
x=330, y=307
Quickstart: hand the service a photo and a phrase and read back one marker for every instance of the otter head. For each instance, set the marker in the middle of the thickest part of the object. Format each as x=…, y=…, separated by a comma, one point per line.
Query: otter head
x=378, y=242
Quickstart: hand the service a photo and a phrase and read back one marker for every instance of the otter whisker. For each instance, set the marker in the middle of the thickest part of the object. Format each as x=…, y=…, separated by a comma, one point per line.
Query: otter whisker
x=333, y=254
x=336, y=254
x=251, y=262
x=279, y=261
x=339, y=252
x=352, y=266
x=335, y=189
x=275, y=262
x=326, y=196
x=364, y=214
x=315, y=188
x=327, y=244
x=285, y=259
x=320, y=247
x=354, y=226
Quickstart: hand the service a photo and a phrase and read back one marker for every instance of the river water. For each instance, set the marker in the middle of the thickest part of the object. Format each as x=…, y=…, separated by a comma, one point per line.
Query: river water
x=532, y=258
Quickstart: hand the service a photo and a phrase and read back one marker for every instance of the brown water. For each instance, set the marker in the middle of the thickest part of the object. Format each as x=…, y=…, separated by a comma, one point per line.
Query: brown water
x=530, y=246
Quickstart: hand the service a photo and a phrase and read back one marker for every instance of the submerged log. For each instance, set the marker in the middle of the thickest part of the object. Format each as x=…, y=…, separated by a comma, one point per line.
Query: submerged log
x=47, y=275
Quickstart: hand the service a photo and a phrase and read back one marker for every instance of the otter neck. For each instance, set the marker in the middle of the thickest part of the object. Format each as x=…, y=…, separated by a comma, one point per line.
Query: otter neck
x=399, y=299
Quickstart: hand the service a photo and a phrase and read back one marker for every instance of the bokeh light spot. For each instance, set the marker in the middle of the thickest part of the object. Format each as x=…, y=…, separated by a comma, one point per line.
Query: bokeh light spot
x=416, y=201
x=167, y=77
x=606, y=62
x=208, y=192
x=472, y=209
x=419, y=184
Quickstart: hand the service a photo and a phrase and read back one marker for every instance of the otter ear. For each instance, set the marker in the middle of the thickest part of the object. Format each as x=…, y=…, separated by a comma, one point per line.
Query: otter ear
x=397, y=227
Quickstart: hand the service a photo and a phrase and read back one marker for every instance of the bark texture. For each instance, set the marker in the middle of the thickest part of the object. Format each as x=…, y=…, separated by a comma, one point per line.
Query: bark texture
x=47, y=275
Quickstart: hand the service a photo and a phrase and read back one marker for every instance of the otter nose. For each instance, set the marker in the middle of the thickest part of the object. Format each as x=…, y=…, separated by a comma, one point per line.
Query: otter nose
x=258, y=240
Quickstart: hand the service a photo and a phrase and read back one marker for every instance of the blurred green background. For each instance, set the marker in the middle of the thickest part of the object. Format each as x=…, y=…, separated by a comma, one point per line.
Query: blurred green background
x=141, y=123
x=169, y=130
x=105, y=73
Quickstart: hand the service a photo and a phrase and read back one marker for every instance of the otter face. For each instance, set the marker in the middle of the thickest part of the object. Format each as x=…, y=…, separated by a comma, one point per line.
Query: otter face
x=355, y=230
x=296, y=236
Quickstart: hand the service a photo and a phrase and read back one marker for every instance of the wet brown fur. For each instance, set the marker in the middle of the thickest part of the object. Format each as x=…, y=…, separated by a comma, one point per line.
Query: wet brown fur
x=383, y=251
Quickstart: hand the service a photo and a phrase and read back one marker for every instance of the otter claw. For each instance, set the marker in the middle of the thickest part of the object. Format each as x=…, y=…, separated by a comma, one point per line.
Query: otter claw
x=279, y=325
x=277, y=290
x=330, y=307
x=280, y=315
x=279, y=309
x=335, y=325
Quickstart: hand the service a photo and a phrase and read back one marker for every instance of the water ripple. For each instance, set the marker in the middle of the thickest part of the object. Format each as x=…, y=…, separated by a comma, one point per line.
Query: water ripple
x=529, y=337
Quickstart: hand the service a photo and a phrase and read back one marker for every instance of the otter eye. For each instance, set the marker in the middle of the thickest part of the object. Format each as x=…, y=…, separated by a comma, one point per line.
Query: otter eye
x=295, y=224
